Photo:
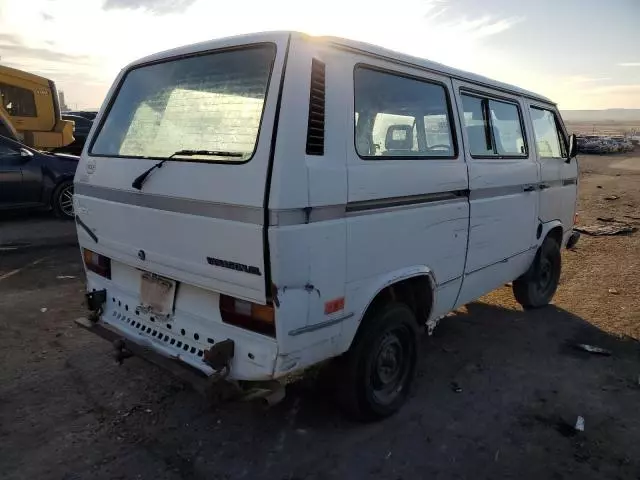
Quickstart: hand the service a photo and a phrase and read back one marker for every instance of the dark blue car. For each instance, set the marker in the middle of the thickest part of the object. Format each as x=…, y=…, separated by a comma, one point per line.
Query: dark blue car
x=33, y=179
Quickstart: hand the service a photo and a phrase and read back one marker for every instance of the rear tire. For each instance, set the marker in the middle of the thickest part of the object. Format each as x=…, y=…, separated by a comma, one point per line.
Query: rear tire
x=536, y=288
x=378, y=370
x=62, y=201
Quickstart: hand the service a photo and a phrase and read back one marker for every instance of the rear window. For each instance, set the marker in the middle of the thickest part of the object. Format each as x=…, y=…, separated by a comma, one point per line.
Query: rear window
x=211, y=102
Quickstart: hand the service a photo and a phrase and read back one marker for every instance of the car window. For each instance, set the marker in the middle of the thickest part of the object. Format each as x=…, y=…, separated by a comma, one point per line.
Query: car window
x=549, y=139
x=507, y=128
x=398, y=116
x=207, y=102
x=17, y=101
x=494, y=127
x=476, y=125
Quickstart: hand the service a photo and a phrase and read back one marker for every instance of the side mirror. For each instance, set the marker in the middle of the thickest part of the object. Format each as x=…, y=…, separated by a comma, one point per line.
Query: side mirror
x=26, y=154
x=573, y=147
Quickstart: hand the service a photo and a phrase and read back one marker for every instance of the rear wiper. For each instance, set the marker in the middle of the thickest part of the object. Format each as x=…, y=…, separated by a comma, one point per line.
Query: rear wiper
x=140, y=179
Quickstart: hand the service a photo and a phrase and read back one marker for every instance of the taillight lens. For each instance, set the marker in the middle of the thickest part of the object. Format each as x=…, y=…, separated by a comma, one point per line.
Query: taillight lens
x=97, y=263
x=258, y=318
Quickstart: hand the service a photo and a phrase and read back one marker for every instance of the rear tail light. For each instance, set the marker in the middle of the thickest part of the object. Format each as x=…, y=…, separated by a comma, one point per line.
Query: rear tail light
x=258, y=318
x=97, y=263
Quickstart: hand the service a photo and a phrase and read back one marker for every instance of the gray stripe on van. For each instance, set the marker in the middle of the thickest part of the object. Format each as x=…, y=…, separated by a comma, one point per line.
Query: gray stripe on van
x=491, y=192
x=254, y=215
x=384, y=203
x=222, y=211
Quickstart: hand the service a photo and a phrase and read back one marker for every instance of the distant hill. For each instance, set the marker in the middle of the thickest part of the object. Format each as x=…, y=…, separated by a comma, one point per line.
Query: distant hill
x=609, y=115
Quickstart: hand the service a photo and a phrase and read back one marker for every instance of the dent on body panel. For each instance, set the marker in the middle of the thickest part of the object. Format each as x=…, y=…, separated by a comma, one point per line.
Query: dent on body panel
x=431, y=235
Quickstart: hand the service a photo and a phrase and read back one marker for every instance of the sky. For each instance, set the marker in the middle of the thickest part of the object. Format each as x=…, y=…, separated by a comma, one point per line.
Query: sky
x=583, y=54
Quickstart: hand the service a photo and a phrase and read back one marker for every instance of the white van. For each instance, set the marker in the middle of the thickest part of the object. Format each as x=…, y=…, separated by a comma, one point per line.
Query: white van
x=252, y=206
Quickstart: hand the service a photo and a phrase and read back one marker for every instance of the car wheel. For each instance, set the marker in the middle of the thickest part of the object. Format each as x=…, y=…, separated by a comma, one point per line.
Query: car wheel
x=62, y=200
x=536, y=288
x=378, y=370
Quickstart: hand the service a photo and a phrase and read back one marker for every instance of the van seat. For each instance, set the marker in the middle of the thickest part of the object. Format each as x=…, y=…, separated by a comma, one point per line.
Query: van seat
x=399, y=140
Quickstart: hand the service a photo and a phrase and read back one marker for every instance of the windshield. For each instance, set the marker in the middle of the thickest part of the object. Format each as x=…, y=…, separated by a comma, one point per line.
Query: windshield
x=210, y=102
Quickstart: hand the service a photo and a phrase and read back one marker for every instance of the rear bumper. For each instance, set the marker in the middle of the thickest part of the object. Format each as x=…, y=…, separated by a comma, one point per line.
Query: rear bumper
x=198, y=379
x=190, y=339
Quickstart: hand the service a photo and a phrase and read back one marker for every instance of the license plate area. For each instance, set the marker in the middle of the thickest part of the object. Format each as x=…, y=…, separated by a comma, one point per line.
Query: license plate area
x=157, y=294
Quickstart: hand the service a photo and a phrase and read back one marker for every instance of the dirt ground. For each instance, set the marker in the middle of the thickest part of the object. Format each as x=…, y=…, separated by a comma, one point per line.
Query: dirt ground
x=498, y=392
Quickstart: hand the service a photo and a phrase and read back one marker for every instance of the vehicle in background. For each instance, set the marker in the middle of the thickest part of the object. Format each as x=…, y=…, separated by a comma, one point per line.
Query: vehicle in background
x=30, y=112
x=34, y=179
x=89, y=115
x=252, y=206
x=81, y=128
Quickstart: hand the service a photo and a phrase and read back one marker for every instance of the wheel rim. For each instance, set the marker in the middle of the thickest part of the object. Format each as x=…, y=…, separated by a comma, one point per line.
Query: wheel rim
x=391, y=366
x=544, y=275
x=65, y=201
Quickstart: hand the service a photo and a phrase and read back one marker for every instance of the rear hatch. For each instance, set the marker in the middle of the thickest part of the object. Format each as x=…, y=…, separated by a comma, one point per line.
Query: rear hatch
x=204, y=119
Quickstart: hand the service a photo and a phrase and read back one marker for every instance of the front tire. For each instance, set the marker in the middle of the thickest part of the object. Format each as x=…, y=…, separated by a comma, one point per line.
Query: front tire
x=62, y=200
x=378, y=370
x=537, y=287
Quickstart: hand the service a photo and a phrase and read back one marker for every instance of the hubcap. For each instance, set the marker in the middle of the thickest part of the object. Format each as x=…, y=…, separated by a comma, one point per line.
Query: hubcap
x=545, y=274
x=66, y=201
x=390, y=368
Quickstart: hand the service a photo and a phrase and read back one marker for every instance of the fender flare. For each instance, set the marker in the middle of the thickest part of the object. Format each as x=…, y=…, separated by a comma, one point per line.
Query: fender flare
x=547, y=227
x=350, y=327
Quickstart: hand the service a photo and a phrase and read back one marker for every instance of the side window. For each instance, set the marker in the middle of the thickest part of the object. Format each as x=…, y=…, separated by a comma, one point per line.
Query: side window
x=507, y=128
x=477, y=126
x=494, y=128
x=397, y=116
x=549, y=139
x=17, y=101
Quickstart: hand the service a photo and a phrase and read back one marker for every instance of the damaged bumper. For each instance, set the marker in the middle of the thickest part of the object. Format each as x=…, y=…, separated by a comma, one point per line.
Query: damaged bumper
x=126, y=347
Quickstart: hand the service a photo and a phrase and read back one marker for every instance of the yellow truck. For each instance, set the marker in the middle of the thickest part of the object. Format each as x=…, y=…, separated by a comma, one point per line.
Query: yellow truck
x=30, y=111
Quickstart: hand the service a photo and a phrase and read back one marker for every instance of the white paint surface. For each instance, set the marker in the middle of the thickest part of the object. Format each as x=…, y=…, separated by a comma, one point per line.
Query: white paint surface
x=352, y=255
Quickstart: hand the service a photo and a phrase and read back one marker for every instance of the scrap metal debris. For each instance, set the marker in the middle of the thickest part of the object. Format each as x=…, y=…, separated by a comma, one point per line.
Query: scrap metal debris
x=604, y=144
x=605, y=230
x=580, y=424
x=593, y=349
x=612, y=197
x=614, y=291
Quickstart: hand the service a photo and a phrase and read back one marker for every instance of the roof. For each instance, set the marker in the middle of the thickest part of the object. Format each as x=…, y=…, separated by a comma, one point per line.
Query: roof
x=23, y=75
x=433, y=66
x=363, y=47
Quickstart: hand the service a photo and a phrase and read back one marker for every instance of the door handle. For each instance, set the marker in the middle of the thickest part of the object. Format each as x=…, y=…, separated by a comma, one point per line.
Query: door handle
x=529, y=188
x=543, y=186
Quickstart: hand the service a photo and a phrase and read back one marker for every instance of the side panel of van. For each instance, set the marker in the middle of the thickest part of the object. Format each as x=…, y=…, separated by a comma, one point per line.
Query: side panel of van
x=407, y=211
x=309, y=189
x=503, y=178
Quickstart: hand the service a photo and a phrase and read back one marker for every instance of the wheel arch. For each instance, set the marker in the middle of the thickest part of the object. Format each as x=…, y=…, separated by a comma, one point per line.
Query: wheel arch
x=404, y=286
x=555, y=229
x=53, y=189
